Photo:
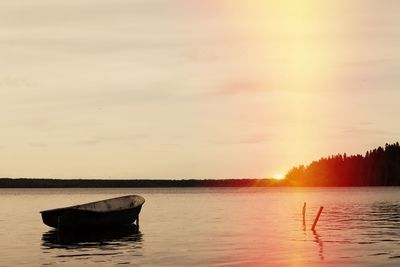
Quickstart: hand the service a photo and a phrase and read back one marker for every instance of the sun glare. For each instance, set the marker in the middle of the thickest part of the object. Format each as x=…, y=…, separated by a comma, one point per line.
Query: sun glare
x=279, y=176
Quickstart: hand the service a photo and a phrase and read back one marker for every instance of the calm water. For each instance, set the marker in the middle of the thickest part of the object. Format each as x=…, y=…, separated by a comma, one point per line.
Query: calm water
x=210, y=227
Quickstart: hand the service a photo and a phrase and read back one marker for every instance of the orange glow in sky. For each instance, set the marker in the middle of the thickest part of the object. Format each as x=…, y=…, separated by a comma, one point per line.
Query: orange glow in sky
x=193, y=89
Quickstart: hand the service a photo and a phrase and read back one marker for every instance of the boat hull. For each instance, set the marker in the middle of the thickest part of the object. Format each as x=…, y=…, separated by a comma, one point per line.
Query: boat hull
x=86, y=216
x=71, y=218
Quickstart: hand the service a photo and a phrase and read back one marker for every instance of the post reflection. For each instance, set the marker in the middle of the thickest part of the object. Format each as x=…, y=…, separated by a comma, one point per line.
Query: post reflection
x=304, y=215
x=318, y=240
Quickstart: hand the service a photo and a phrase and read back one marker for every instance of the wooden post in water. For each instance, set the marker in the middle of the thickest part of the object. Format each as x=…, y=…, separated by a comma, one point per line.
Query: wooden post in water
x=304, y=214
x=317, y=218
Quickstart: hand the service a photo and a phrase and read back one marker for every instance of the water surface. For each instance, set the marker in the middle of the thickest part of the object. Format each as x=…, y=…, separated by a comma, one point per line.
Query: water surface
x=210, y=227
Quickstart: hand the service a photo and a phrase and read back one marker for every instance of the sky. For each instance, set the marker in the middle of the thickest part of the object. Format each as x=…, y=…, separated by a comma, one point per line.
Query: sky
x=193, y=89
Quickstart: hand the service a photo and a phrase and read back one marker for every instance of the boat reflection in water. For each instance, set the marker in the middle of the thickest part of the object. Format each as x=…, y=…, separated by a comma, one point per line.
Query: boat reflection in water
x=85, y=237
x=119, y=244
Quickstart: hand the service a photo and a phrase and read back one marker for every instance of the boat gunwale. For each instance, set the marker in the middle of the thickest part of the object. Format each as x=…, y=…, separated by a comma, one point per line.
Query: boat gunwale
x=74, y=207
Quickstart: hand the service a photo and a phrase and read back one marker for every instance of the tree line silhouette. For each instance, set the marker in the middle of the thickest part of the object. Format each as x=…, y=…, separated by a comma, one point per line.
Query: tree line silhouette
x=378, y=167
x=118, y=183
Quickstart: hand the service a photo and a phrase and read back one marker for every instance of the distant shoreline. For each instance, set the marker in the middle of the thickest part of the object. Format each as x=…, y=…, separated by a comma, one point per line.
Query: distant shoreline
x=139, y=183
x=149, y=183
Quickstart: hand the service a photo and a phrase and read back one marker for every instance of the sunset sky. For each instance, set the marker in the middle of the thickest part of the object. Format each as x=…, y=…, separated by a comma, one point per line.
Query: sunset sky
x=193, y=89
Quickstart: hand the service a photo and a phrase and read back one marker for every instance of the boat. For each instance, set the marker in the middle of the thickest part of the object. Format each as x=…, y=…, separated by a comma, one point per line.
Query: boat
x=111, y=212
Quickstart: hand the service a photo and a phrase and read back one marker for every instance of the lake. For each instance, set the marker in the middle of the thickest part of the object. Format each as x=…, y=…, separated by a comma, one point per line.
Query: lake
x=210, y=227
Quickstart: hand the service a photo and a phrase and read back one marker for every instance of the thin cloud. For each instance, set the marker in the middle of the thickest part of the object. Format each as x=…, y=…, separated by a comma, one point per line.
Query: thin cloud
x=104, y=139
x=14, y=81
x=38, y=145
x=365, y=131
x=240, y=87
x=248, y=139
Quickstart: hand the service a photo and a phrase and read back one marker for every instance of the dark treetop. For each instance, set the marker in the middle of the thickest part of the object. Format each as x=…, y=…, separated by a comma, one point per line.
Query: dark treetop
x=379, y=167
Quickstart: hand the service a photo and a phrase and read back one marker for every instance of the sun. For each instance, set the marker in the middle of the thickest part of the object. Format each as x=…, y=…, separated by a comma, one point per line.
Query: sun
x=279, y=176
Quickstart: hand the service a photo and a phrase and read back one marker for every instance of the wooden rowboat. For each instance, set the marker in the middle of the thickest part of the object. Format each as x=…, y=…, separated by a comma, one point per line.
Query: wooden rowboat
x=105, y=213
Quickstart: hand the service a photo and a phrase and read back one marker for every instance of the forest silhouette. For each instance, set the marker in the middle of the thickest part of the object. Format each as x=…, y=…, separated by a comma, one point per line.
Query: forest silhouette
x=378, y=167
